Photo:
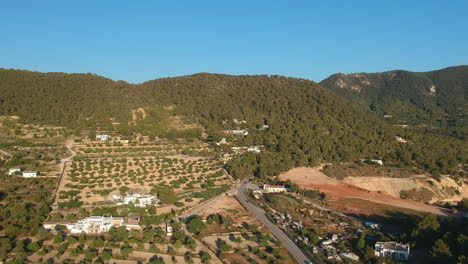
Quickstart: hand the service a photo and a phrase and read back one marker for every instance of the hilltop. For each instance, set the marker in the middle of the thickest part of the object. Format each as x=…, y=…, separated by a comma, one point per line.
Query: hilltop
x=435, y=98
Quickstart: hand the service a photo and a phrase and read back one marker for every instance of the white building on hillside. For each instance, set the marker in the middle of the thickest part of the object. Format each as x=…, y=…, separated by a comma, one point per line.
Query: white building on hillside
x=117, y=196
x=273, y=188
x=238, y=132
x=96, y=225
x=13, y=170
x=255, y=149
x=30, y=174
x=221, y=142
x=139, y=199
x=380, y=162
x=237, y=121
x=393, y=250
x=103, y=137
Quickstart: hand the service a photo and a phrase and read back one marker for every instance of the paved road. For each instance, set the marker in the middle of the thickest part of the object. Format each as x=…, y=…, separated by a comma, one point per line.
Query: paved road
x=260, y=214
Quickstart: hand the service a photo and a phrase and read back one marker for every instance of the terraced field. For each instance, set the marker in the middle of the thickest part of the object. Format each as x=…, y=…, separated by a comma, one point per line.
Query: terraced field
x=190, y=173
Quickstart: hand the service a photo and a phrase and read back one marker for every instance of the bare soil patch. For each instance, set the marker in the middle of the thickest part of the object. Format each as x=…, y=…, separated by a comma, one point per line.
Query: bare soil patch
x=312, y=178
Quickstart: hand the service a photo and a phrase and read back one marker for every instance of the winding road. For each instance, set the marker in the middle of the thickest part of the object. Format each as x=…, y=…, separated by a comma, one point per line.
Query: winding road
x=260, y=215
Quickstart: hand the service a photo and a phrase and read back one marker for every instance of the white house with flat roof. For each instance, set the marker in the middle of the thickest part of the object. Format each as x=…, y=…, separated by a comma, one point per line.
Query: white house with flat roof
x=30, y=174
x=139, y=200
x=96, y=224
x=103, y=137
x=273, y=188
x=393, y=250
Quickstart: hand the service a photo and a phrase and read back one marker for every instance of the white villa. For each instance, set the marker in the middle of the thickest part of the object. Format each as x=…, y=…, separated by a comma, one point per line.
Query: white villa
x=103, y=137
x=13, y=170
x=139, y=199
x=393, y=250
x=30, y=174
x=273, y=188
x=96, y=224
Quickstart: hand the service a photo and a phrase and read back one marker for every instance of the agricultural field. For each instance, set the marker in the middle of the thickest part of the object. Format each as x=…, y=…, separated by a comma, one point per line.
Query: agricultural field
x=181, y=176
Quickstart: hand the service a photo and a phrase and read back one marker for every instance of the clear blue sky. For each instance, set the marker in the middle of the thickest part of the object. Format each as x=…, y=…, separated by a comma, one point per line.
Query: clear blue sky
x=141, y=40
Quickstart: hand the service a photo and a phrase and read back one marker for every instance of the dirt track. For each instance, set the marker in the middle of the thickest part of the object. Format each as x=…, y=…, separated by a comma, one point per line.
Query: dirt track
x=312, y=178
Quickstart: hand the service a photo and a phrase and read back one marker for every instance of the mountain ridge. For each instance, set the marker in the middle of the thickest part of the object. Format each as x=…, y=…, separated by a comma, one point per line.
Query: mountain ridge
x=430, y=98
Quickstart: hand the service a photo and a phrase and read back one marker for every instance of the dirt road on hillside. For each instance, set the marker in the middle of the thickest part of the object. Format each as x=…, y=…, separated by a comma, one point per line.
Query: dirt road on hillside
x=69, y=144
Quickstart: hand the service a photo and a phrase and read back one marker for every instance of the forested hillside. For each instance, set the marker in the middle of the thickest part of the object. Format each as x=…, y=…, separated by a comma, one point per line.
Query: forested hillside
x=437, y=98
x=308, y=124
x=71, y=100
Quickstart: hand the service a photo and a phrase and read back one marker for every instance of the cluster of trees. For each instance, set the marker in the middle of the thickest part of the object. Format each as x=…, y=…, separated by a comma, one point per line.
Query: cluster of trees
x=23, y=209
x=446, y=240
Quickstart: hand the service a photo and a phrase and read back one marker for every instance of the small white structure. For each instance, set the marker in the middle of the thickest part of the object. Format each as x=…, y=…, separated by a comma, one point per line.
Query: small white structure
x=237, y=132
x=255, y=149
x=380, y=162
x=117, y=197
x=30, y=174
x=334, y=238
x=103, y=137
x=13, y=170
x=265, y=127
x=372, y=225
x=273, y=188
x=168, y=229
x=221, y=142
x=237, y=121
x=139, y=199
x=96, y=225
x=393, y=250
x=130, y=227
x=350, y=255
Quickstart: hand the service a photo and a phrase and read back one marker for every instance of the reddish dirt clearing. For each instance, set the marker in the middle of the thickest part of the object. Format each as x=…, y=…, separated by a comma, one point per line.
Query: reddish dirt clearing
x=312, y=178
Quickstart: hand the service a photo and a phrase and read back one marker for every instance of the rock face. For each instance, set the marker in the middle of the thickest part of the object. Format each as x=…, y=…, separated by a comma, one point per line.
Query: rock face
x=424, y=189
x=409, y=96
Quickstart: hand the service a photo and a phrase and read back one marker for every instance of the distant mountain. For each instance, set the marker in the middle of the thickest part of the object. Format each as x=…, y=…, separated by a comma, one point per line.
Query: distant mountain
x=308, y=123
x=432, y=98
